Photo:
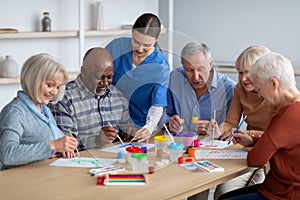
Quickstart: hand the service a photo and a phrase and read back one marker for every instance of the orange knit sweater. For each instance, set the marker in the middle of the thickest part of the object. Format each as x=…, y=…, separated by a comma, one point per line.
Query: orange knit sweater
x=259, y=113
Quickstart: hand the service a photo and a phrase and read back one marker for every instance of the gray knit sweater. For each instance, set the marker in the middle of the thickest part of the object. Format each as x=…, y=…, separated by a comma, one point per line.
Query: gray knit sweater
x=24, y=138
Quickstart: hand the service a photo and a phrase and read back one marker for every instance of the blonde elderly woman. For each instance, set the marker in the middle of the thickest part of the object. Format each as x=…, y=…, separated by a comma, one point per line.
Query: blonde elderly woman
x=28, y=132
x=245, y=101
x=273, y=77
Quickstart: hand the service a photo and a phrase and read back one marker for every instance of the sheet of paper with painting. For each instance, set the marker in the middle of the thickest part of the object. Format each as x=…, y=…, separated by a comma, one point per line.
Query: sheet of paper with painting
x=83, y=162
x=220, y=154
x=214, y=144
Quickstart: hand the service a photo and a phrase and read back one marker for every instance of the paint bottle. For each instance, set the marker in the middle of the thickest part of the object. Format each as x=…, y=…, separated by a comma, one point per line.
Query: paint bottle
x=121, y=157
x=196, y=116
x=196, y=143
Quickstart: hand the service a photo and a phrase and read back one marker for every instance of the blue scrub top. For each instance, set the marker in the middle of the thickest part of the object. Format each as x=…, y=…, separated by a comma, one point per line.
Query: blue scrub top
x=144, y=85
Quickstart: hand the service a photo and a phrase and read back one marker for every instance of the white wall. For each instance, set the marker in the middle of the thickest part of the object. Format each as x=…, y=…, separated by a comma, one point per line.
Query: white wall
x=25, y=15
x=228, y=27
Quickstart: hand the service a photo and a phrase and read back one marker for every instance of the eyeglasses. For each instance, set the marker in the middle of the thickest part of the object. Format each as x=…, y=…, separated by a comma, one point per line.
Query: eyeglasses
x=106, y=78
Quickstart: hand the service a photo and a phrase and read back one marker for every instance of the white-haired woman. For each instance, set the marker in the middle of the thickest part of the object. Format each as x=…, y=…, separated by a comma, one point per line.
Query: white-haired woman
x=245, y=101
x=273, y=77
x=28, y=132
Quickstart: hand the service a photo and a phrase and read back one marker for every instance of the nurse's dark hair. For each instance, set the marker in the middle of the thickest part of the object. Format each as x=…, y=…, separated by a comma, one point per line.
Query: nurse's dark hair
x=148, y=24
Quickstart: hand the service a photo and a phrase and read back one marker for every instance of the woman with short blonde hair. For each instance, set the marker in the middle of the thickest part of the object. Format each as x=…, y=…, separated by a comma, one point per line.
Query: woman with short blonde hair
x=28, y=131
x=37, y=70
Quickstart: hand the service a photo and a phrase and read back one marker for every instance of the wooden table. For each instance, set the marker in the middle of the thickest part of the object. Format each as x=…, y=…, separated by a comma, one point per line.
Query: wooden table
x=41, y=181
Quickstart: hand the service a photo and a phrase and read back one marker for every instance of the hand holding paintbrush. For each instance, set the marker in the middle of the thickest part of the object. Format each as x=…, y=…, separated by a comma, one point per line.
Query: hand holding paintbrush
x=78, y=154
x=237, y=129
x=117, y=134
x=141, y=135
x=108, y=133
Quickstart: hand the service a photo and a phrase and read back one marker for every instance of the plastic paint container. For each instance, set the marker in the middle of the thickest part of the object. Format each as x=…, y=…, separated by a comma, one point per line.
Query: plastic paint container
x=139, y=162
x=144, y=148
x=131, y=150
x=196, y=143
x=187, y=138
x=191, y=152
x=180, y=160
x=161, y=144
x=176, y=150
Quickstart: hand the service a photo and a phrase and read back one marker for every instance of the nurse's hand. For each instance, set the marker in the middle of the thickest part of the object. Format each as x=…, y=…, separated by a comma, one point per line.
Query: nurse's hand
x=142, y=135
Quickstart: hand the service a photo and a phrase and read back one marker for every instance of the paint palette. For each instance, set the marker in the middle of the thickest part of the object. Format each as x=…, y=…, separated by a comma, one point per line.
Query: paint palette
x=209, y=166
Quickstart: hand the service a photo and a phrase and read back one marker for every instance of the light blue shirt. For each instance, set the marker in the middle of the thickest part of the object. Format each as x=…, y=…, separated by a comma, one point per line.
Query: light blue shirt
x=182, y=99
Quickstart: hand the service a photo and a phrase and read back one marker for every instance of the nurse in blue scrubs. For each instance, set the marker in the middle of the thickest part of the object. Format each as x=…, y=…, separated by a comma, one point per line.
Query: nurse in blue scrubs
x=142, y=73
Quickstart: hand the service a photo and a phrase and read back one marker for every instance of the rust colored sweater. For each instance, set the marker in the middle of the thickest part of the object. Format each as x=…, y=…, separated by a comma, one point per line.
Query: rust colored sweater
x=280, y=145
x=259, y=113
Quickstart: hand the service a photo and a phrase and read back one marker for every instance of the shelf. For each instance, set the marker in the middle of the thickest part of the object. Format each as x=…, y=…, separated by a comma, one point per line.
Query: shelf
x=30, y=35
x=61, y=34
x=66, y=34
x=16, y=80
x=226, y=69
x=112, y=32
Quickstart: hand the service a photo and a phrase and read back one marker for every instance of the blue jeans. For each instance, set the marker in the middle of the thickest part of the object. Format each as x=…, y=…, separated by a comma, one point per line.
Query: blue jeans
x=245, y=193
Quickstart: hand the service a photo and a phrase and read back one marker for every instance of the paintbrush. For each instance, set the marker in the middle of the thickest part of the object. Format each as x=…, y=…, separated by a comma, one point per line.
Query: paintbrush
x=131, y=140
x=214, y=128
x=237, y=129
x=78, y=154
x=171, y=137
x=117, y=134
